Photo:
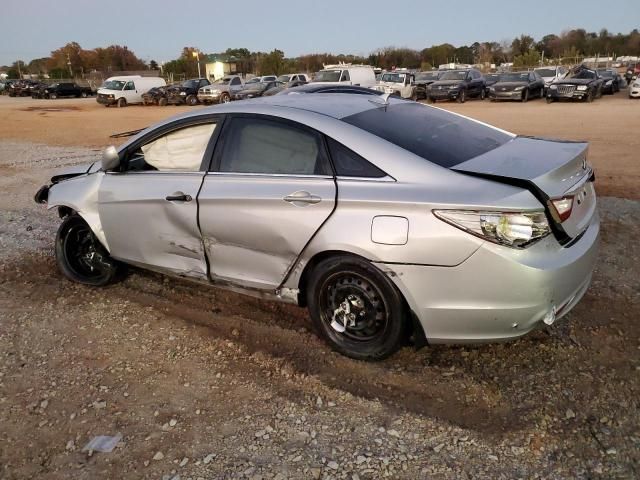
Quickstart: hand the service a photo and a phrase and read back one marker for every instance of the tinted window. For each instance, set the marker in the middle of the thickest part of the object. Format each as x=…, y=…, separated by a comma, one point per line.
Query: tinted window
x=441, y=137
x=235, y=81
x=254, y=145
x=350, y=164
x=129, y=86
x=345, y=76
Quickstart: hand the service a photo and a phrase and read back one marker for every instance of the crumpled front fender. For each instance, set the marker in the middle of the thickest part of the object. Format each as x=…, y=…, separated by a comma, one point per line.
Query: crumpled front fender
x=81, y=195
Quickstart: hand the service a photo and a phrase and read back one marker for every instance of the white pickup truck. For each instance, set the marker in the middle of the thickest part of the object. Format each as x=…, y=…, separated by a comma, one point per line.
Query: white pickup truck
x=397, y=83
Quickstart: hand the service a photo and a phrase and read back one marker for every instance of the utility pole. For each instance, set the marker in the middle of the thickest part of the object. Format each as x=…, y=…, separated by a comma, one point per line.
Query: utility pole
x=69, y=64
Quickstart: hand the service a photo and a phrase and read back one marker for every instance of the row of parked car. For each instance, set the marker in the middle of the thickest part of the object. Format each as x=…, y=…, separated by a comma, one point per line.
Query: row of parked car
x=35, y=89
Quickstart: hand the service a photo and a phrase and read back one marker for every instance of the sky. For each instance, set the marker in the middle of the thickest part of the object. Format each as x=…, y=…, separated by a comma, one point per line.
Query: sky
x=158, y=29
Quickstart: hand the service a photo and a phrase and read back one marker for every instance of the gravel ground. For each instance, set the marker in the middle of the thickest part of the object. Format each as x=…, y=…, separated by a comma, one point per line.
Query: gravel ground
x=205, y=384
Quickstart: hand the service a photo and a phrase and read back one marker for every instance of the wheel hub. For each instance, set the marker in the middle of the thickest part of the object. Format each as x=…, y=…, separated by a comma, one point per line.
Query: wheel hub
x=348, y=312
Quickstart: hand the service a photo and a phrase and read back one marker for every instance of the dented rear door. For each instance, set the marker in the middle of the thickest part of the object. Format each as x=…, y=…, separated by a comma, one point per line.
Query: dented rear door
x=271, y=189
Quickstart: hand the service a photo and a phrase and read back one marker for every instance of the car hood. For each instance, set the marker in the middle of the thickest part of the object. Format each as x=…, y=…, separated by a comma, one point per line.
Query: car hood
x=575, y=81
x=447, y=83
x=70, y=172
x=509, y=85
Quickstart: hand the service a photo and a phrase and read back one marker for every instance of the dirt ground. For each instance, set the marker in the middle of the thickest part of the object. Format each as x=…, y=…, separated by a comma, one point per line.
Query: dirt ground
x=205, y=384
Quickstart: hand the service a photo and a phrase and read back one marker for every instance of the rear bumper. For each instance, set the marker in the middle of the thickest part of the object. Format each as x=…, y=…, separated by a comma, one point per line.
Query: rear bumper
x=498, y=293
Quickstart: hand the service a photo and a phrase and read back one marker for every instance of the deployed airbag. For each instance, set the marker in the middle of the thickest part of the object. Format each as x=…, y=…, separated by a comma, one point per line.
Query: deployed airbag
x=179, y=150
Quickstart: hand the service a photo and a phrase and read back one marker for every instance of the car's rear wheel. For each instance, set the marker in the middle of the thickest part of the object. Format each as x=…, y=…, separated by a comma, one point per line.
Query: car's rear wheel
x=462, y=96
x=356, y=308
x=80, y=255
x=121, y=103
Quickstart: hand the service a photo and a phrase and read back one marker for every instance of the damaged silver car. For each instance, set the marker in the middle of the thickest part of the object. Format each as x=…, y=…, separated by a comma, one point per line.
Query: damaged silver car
x=390, y=220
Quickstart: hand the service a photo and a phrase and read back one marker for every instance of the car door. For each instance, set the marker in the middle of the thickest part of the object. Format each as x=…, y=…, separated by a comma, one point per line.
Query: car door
x=235, y=85
x=148, y=210
x=129, y=92
x=270, y=189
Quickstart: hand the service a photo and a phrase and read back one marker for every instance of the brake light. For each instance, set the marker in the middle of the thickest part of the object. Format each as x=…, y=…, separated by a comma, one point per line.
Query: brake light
x=563, y=207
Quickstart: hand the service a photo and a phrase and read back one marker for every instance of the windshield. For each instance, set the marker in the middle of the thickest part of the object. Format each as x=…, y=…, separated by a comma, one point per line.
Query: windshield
x=427, y=76
x=605, y=73
x=431, y=133
x=253, y=80
x=190, y=83
x=454, y=75
x=393, y=77
x=546, y=72
x=328, y=76
x=222, y=81
x=514, y=77
x=284, y=78
x=583, y=74
x=113, y=84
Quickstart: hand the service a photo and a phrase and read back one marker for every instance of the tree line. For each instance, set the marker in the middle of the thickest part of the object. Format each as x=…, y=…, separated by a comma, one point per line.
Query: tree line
x=73, y=60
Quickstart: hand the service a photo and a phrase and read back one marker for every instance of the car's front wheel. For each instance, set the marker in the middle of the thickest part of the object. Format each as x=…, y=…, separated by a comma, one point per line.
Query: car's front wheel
x=356, y=308
x=80, y=255
x=462, y=96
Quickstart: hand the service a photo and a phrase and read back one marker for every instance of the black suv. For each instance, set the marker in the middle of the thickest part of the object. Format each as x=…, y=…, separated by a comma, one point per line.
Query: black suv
x=457, y=85
x=186, y=92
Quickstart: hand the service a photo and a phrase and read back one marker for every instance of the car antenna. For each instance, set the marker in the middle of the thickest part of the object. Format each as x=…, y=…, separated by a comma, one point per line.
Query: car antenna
x=382, y=100
x=127, y=134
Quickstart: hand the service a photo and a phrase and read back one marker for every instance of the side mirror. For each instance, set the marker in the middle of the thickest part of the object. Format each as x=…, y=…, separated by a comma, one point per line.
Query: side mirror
x=110, y=158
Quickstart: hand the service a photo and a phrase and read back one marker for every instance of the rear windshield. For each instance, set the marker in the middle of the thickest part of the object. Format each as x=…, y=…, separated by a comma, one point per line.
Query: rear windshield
x=433, y=134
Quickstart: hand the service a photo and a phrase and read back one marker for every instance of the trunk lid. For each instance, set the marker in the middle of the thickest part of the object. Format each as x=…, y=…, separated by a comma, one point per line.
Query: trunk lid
x=550, y=169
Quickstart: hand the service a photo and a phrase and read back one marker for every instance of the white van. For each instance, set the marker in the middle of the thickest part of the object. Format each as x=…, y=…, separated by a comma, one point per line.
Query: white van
x=122, y=91
x=347, y=74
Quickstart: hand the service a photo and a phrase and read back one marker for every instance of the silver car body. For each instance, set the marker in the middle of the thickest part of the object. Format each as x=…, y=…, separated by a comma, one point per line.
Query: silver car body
x=241, y=234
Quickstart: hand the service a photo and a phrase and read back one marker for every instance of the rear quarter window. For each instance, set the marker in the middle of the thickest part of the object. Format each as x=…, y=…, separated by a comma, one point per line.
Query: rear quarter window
x=433, y=134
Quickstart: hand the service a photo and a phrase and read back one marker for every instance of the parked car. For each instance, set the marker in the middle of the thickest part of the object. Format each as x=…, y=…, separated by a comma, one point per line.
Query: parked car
x=358, y=75
x=385, y=218
x=610, y=82
x=551, y=74
x=264, y=78
x=257, y=89
x=397, y=83
x=580, y=84
x=21, y=88
x=520, y=86
x=634, y=89
x=329, y=88
x=61, y=89
x=423, y=79
x=457, y=85
x=282, y=87
x=222, y=90
x=127, y=89
x=294, y=77
x=633, y=69
x=155, y=96
x=186, y=92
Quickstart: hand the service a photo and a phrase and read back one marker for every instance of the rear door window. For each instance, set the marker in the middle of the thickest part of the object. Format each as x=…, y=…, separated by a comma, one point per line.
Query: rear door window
x=345, y=76
x=349, y=164
x=438, y=136
x=265, y=146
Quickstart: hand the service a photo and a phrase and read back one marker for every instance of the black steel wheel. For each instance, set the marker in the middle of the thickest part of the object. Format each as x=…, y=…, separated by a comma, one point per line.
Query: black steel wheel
x=80, y=255
x=356, y=308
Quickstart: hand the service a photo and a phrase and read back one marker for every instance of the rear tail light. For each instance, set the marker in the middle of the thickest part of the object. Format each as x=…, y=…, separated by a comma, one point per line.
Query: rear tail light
x=563, y=207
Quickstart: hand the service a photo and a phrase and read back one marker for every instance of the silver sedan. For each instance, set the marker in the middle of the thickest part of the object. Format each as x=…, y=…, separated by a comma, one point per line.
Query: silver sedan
x=390, y=220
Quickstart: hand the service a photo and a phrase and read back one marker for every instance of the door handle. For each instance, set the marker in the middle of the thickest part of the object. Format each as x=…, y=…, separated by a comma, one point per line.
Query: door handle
x=178, y=197
x=302, y=198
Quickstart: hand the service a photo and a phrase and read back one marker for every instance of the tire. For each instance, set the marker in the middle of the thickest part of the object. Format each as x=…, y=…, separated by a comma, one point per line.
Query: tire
x=549, y=100
x=225, y=98
x=379, y=314
x=589, y=97
x=81, y=257
x=430, y=99
x=525, y=96
x=462, y=96
x=53, y=96
x=483, y=94
x=121, y=103
x=192, y=100
x=542, y=93
x=162, y=102
x=83, y=94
